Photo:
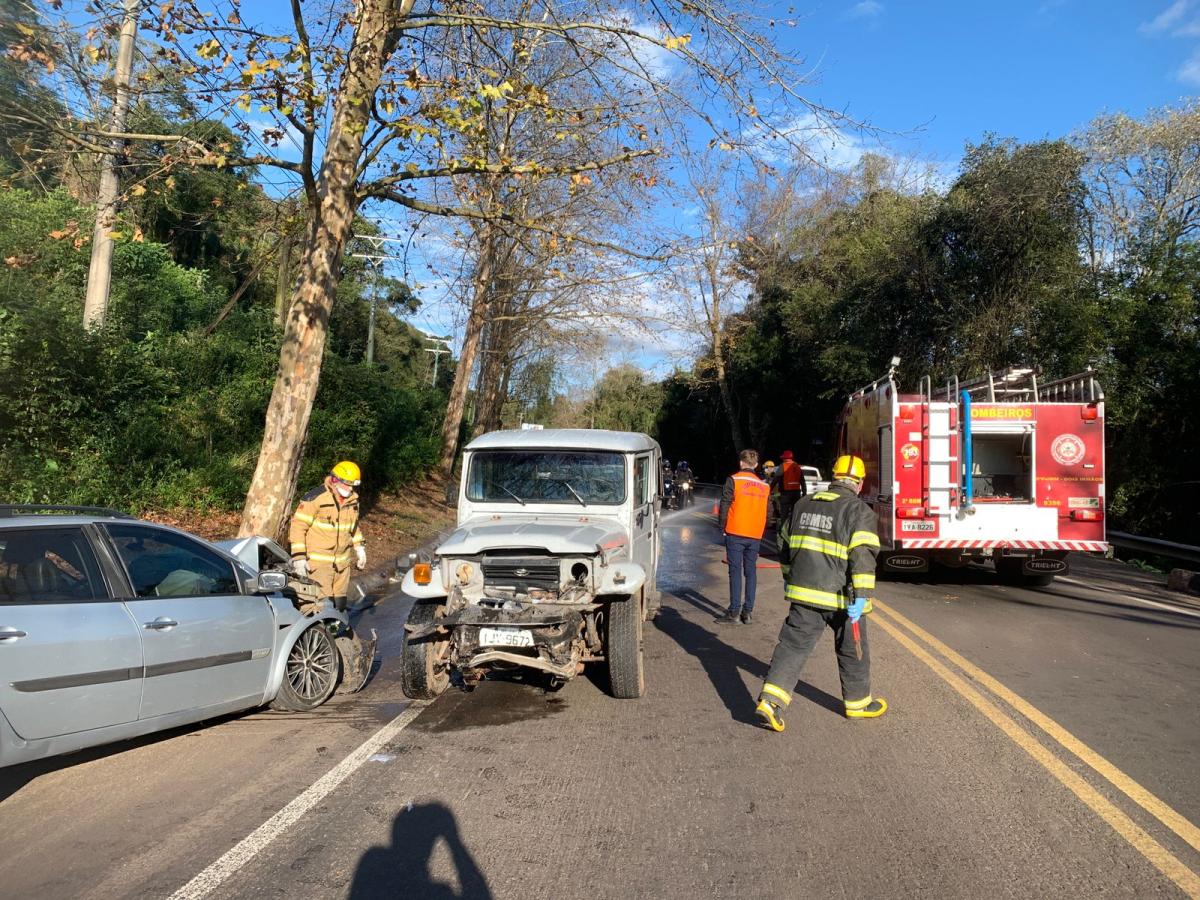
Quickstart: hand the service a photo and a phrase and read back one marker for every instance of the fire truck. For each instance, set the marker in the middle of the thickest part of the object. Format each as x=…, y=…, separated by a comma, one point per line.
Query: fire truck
x=1004, y=468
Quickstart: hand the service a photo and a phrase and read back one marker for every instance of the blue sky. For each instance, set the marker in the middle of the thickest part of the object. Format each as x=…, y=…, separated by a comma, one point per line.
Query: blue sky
x=953, y=71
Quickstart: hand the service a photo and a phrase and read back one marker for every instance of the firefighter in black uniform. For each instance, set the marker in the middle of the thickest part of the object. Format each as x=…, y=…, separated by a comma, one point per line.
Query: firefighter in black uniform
x=827, y=550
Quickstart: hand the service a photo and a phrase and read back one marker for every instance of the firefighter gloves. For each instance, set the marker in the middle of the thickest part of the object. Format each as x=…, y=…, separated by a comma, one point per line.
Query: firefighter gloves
x=855, y=610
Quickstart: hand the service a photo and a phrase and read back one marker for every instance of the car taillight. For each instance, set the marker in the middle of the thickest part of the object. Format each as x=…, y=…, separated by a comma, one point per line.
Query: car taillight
x=910, y=512
x=1087, y=515
x=422, y=573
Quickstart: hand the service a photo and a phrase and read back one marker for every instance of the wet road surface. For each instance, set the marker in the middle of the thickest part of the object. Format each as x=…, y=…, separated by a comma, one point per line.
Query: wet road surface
x=1040, y=743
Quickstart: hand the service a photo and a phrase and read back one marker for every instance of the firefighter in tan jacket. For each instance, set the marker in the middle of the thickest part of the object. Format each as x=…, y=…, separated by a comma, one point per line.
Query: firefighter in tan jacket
x=325, y=535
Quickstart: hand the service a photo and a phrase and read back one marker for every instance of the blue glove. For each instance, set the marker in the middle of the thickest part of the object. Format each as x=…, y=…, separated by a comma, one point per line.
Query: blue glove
x=855, y=610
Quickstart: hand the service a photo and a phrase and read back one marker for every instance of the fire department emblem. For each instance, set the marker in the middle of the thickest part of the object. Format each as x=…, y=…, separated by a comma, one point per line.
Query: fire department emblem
x=1067, y=449
x=910, y=451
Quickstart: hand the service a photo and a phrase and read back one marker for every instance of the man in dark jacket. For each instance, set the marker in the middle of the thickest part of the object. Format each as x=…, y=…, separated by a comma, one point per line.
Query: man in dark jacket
x=827, y=550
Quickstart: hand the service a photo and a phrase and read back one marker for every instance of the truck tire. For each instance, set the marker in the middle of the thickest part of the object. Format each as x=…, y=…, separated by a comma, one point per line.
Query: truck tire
x=310, y=673
x=424, y=666
x=623, y=649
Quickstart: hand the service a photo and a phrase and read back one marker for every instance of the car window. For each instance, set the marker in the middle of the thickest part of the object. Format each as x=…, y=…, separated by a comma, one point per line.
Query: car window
x=641, y=481
x=48, y=565
x=164, y=564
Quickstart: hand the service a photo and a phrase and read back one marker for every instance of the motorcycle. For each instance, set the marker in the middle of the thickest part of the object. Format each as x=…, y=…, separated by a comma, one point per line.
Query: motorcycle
x=686, y=493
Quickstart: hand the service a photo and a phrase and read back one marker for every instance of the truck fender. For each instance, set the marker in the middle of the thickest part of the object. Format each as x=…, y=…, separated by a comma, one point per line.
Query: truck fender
x=435, y=590
x=622, y=578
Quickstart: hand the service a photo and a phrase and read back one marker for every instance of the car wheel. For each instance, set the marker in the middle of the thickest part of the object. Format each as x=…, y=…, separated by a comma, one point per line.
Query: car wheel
x=425, y=665
x=310, y=675
x=623, y=648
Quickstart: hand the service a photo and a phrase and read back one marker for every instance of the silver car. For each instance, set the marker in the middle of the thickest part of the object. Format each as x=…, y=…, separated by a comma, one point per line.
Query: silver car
x=111, y=627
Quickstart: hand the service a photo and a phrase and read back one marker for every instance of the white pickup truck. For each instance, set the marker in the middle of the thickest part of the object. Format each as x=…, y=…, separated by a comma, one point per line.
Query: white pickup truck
x=552, y=565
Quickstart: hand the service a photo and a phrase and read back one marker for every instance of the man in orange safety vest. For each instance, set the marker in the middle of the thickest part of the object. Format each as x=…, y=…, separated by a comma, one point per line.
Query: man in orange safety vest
x=743, y=519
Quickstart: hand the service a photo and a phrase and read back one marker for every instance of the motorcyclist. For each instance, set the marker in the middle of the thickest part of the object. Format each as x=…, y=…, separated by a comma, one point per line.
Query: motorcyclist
x=685, y=481
x=668, y=485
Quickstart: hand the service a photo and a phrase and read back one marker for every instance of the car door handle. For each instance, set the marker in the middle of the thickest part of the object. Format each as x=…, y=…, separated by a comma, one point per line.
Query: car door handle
x=162, y=623
x=8, y=633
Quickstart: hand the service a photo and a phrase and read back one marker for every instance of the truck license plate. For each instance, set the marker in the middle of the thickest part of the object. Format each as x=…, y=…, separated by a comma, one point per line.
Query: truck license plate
x=918, y=525
x=505, y=637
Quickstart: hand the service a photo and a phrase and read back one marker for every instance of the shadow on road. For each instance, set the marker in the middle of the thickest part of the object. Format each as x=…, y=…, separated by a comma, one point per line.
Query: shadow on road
x=403, y=869
x=724, y=664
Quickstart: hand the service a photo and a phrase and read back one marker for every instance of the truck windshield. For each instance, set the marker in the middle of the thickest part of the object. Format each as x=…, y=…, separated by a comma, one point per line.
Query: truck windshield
x=547, y=476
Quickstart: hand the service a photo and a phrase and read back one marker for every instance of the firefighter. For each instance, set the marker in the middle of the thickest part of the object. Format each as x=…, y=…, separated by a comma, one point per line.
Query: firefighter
x=324, y=533
x=787, y=486
x=827, y=550
x=743, y=515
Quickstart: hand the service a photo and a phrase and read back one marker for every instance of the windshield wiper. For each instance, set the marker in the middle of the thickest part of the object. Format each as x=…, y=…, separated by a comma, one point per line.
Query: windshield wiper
x=575, y=493
x=507, y=491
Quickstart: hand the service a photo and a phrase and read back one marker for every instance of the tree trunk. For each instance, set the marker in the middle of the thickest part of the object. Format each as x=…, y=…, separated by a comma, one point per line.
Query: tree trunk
x=480, y=297
x=493, y=376
x=331, y=216
x=735, y=427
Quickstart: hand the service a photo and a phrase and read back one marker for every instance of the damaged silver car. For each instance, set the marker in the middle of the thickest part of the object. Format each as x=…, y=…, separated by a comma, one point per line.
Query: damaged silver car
x=552, y=566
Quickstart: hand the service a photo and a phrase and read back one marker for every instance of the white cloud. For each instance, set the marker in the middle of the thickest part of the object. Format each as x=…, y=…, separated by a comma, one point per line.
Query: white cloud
x=1167, y=19
x=867, y=9
x=1189, y=72
x=823, y=142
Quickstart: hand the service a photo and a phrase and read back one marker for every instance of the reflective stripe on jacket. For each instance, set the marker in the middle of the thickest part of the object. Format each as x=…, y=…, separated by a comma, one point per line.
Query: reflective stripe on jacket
x=827, y=549
x=744, y=505
x=791, y=477
x=324, y=531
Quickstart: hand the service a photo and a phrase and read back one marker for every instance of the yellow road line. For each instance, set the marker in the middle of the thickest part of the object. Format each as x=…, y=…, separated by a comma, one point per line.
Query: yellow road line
x=1118, y=779
x=1155, y=853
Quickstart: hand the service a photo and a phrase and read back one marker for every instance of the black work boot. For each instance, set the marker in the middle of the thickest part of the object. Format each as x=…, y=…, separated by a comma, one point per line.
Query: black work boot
x=729, y=617
x=747, y=618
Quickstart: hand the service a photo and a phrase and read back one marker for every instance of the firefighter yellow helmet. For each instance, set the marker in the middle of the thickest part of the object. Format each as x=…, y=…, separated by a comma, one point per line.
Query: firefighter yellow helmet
x=348, y=472
x=769, y=464
x=849, y=468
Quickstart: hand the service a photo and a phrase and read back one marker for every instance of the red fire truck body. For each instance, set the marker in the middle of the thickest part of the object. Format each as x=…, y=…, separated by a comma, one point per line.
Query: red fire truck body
x=1035, y=458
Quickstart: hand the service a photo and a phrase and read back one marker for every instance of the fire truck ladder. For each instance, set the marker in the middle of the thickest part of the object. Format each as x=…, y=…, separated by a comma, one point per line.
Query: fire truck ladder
x=1015, y=385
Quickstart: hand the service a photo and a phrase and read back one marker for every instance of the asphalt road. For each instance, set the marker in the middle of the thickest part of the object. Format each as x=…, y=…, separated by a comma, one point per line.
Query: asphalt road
x=1040, y=743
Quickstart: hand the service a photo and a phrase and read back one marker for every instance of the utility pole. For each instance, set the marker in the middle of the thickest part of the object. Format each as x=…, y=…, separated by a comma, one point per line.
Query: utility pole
x=376, y=260
x=437, y=350
x=95, y=304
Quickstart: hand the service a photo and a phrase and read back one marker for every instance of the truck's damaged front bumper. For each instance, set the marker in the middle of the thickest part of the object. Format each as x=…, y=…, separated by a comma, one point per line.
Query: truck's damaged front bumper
x=551, y=646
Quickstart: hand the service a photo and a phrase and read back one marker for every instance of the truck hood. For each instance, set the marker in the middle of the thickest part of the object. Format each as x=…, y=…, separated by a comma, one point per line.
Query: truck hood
x=552, y=535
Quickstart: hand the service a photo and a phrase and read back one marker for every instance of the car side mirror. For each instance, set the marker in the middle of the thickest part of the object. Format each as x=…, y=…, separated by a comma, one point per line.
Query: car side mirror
x=270, y=582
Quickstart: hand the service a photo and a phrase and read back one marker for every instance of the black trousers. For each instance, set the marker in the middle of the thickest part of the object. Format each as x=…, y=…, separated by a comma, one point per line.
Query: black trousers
x=802, y=628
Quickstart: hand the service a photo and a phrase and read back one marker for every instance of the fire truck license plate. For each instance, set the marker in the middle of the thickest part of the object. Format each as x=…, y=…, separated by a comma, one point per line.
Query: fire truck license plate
x=918, y=525
x=505, y=637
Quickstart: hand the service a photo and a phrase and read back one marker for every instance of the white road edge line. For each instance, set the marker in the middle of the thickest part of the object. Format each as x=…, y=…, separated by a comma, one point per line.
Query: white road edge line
x=246, y=849
x=1182, y=610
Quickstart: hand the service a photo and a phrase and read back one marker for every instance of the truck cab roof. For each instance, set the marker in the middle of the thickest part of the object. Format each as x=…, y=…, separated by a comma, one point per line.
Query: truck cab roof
x=565, y=439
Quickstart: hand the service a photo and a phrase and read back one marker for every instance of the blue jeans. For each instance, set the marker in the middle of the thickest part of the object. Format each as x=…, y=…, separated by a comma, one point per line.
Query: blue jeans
x=742, y=553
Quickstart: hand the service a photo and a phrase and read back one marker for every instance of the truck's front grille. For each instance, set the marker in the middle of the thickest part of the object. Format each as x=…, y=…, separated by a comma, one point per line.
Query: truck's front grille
x=521, y=573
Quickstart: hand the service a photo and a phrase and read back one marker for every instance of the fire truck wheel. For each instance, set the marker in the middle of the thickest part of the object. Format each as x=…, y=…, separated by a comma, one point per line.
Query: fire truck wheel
x=1010, y=572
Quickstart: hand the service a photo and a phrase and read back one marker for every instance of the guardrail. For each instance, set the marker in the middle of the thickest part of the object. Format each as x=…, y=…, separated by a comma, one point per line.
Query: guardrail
x=1168, y=549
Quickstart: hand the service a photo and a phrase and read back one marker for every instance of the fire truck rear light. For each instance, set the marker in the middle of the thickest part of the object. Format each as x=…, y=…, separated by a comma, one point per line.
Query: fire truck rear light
x=910, y=512
x=1087, y=515
x=1089, y=413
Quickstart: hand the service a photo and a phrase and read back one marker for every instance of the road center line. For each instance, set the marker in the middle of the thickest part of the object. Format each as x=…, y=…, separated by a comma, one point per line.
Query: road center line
x=1182, y=610
x=246, y=849
x=1118, y=779
x=1155, y=853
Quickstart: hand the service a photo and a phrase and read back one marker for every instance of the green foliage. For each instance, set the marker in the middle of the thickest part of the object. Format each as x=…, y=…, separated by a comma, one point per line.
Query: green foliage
x=624, y=401
x=152, y=412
